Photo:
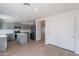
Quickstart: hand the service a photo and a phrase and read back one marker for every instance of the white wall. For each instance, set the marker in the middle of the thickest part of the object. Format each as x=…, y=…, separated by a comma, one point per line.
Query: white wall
x=63, y=30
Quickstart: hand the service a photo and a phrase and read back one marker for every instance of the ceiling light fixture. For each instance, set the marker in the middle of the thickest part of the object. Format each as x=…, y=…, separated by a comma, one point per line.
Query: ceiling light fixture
x=28, y=4
x=35, y=9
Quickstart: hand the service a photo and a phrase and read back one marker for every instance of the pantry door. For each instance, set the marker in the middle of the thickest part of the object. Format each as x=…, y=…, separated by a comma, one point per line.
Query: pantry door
x=52, y=28
x=67, y=29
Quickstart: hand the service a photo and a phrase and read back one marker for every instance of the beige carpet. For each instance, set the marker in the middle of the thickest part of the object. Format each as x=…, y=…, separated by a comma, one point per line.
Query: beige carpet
x=33, y=48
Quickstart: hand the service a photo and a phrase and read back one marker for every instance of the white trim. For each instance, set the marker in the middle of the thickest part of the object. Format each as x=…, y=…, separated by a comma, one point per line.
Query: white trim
x=41, y=19
x=77, y=52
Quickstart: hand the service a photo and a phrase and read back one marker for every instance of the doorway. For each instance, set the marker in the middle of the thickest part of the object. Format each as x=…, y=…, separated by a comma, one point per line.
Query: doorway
x=40, y=30
x=43, y=31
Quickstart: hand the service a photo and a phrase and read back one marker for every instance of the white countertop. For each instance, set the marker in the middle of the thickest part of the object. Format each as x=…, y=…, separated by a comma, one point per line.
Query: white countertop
x=21, y=34
x=3, y=35
x=12, y=31
x=23, y=30
x=6, y=31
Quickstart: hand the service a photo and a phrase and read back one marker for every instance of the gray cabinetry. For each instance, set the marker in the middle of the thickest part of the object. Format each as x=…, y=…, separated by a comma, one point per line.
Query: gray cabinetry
x=6, y=25
x=16, y=25
x=11, y=36
x=3, y=42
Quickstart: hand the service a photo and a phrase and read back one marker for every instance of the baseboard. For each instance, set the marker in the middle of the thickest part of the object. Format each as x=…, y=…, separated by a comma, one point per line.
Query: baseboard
x=77, y=52
x=37, y=40
x=46, y=42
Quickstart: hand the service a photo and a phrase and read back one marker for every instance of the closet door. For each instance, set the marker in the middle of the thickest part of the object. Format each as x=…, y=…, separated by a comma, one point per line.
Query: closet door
x=77, y=34
x=60, y=32
x=67, y=28
x=52, y=31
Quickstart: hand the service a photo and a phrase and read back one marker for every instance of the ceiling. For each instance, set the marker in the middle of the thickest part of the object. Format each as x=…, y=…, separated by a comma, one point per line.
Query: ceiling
x=18, y=12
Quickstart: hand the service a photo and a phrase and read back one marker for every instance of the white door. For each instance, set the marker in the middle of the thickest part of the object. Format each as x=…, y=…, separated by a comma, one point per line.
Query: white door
x=67, y=29
x=60, y=32
x=77, y=34
x=52, y=31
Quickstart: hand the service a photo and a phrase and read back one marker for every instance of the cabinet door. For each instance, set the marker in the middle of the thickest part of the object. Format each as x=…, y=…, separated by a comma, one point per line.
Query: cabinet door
x=4, y=25
x=10, y=26
x=67, y=29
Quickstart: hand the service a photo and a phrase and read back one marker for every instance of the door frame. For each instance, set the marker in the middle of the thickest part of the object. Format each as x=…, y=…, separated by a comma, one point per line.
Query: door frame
x=38, y=28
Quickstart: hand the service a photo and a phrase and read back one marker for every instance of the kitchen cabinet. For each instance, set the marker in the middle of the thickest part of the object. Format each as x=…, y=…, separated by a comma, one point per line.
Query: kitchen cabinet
x=0, y=25
x=16, y=25
x=24, y=26
x=3, y=42
x=6, y=25
x=22, y=38
x=21, y=26
x=10, y=36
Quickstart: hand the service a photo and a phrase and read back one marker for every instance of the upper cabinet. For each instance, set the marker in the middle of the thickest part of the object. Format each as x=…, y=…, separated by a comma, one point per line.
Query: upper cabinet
x=0, y=25
x=7, y=25
x=21, y=26
x=24, y=26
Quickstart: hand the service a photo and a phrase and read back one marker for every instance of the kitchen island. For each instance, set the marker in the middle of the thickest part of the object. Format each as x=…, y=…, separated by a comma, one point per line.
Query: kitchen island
x=4, y=34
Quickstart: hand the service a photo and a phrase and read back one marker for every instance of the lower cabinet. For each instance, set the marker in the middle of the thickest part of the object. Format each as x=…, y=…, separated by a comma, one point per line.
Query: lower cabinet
x=11, y=36
x=3, y=43
x=22, y=38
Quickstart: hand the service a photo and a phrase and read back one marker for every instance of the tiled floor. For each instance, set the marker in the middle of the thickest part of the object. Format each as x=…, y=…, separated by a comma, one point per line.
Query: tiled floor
x=33, y=48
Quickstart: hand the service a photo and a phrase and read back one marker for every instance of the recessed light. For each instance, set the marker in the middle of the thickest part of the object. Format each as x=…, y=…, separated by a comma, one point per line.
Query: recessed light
x=35, y=9
x=16, y=15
